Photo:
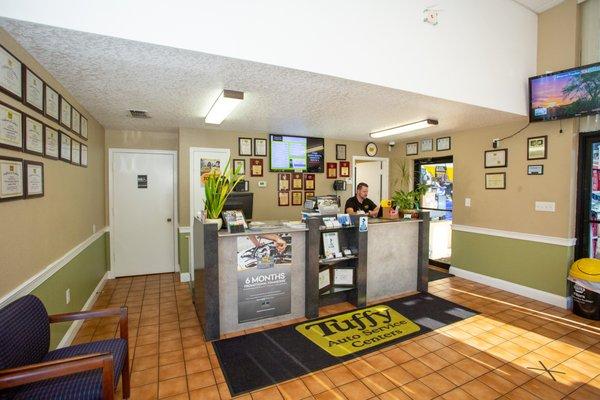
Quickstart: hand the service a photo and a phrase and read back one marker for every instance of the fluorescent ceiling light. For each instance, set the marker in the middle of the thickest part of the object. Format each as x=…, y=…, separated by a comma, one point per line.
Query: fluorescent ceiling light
x=226, y=102
x=426, y=123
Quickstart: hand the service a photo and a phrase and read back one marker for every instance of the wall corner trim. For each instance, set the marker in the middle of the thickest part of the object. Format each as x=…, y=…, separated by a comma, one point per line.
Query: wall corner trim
x=185, y=229
x=185, y=277
x=568, y=242
x=535, y=294
x=36, y=280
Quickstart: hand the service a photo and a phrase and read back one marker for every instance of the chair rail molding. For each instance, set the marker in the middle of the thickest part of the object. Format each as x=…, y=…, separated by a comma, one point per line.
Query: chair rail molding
x=559, y=241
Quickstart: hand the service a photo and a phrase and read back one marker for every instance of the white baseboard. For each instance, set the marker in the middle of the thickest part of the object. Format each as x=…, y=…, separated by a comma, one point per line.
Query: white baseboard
x=74, y=328
x=185, y=277
x=536, y=294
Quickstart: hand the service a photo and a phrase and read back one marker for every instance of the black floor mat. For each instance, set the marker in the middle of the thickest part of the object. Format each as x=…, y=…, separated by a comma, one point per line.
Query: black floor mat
x=435, y=274
x=261, y=359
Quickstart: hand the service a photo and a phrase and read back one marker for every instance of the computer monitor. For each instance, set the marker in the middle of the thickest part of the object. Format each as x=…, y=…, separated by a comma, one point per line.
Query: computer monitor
x=240, y=201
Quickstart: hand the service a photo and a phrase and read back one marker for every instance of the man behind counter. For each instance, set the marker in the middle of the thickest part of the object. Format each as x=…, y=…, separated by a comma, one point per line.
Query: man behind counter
x=360, y=203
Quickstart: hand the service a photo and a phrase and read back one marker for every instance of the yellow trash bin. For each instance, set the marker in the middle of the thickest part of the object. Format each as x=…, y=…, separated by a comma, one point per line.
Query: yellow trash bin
x=585, y=278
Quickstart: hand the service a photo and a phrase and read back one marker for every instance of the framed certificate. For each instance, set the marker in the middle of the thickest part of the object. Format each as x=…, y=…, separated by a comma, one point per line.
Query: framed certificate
x=34, y=179
x=11, y=128
x=11, y=178
x=245, y=146
x=535, y=170
x=331, y=170
x=51, y=103
x=496, y=180
x=344, y=169
x=256, y=167
x=443, y=143
x=34, y=136
x=412, y=149
x=283, y=182
x=309, y=195
x=496, y=158
x=537, y=148
x=75, y=152
x=260, y=147
x=283, y=198
x=343, y=276
x=65, y=113
x=297, y=198
x=239, y=166
x=51, y=147
x=75, y=121
x=84, y=128
x=297, y=181
x=11, y=71
x=309, y=181
x=426, y=145
x=325, y=279
x=84, y=155
x=65, y=147
x=33, y=87
x=340, y=151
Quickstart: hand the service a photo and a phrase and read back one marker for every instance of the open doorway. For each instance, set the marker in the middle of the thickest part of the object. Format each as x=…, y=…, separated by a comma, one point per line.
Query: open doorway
x=438, y=175
x=374, y=171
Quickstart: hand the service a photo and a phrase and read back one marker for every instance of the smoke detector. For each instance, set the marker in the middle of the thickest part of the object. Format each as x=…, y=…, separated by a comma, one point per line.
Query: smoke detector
x=430, y=16
x=139, y=114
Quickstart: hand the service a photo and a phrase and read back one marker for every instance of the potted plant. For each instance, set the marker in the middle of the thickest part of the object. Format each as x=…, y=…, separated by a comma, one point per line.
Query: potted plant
x=407, y=201
x=218, y=185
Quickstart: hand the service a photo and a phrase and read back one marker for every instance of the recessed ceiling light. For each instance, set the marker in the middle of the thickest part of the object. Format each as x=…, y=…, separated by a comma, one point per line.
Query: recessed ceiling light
x=426, y=123
x=223, y=106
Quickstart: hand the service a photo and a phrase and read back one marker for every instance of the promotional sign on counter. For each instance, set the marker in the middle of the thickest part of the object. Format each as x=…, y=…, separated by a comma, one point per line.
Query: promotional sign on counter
x=264, y=276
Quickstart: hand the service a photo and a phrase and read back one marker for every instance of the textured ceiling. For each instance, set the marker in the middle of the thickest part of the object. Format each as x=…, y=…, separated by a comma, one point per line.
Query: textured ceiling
x=539, y=6
x=108, y=76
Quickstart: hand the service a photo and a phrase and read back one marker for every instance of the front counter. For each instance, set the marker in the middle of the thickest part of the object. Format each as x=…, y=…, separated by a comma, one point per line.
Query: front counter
x=275, y=273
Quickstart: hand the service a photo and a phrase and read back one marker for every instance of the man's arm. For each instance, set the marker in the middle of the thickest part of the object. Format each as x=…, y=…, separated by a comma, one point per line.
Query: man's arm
x=374, y=212
x=350, y=210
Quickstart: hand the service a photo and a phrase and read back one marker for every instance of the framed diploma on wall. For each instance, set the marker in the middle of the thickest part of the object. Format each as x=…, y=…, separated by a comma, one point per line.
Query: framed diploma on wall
x=297, y=181
x=495, y=180
x=34, y=179
x=11, y=128
x=76, y=121
x=283, y=182
x=344, y=169
x=331, y=170
x=75, y=152
x=256, y=167
x=309, y=195
x=51, y=143
x=11, y=178
x=65, y=113
x=84, y=155
x=11, y=75
x=84, y=128
x=33, y=87
x=244, y=146
x=65, y=147
x=51, y=103
x=34, y=136
x=283, y=198
x=239, y=166
x=496, y=158
x=309, y=181
x=260, y=147
x=297, y=198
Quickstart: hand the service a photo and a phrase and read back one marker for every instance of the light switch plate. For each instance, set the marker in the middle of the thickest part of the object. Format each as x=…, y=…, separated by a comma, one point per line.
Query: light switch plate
x=467, y=202
x=67, y=296
x=545, y=206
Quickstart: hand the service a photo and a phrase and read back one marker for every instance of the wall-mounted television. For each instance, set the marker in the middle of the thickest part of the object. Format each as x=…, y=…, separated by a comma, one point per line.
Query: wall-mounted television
x=296, y=153
x=565, y=94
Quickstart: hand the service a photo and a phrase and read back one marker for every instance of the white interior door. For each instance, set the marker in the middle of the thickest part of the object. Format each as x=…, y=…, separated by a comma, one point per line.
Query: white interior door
x=371, y=172
x=143, y=212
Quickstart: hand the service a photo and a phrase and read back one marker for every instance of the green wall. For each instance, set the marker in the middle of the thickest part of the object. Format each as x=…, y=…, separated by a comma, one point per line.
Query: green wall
x=184, y=254
x=82, y=274
x=537, y=265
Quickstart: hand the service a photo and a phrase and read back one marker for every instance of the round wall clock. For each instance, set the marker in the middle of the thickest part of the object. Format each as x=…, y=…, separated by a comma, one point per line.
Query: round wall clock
x=371, y=149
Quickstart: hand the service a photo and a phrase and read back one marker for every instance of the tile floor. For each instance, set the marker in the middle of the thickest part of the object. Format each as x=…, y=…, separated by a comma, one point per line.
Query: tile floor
x=488, y=356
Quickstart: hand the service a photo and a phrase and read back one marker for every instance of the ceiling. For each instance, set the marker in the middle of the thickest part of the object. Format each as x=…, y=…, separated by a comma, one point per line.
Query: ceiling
x=539, y=6
x=108, y=76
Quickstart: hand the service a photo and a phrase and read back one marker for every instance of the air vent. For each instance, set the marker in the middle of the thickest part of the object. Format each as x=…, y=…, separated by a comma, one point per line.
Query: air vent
x=139, y=114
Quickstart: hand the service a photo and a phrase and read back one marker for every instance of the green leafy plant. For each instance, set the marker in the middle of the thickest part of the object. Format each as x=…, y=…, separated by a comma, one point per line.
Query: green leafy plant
x=217, y=187
x=407, y=199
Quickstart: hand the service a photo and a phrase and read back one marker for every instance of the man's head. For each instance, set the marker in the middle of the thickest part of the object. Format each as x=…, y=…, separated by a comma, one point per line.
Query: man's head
x=362, y=190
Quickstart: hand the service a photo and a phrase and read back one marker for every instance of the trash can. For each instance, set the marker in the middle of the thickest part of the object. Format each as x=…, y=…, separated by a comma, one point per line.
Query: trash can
x=585, y=287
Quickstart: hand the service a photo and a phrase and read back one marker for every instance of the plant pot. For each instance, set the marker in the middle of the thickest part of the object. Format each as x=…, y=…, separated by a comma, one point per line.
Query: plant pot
x=217, y=221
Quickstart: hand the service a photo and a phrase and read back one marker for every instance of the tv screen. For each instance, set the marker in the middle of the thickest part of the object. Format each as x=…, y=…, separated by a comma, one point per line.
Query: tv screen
x=296, y=153
x=565, y=94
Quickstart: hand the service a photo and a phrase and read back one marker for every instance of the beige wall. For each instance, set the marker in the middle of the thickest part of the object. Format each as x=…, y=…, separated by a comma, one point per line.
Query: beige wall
x=36, y=232
x=265, y=199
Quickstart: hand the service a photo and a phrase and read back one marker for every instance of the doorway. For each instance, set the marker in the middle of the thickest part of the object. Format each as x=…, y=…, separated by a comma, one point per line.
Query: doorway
x=374, y=171
x=588, y=196
x=142, y=211
x=438, y=175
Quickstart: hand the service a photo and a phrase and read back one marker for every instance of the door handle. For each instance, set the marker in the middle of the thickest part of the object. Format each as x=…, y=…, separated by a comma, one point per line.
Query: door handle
x=169, y=220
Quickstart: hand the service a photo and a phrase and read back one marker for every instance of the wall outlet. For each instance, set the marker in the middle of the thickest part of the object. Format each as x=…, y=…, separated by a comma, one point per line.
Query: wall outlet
x=93, y=228
x=467, y=202
x=545, y=206
x=67, y=296
x=262, y=184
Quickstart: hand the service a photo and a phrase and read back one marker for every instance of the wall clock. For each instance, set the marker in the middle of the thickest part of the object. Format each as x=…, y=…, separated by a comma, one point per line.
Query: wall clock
x=371, y=149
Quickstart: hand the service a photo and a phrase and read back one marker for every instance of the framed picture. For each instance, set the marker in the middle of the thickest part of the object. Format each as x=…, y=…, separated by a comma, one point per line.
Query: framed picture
x=309, y=181
x=84, y=128
x=75, y=152
x=331, y=170
x=65, y=147
x=412, y=149
x=537, y=148
x=256, y=167
x=51, y=103
x=11, y=128
x=309, y=195
x=260, y=147
x=297, y=198
x=11, y=178
x=239, y=166
x=283, y=198
x=297, y=181
x=495, y=180
x=340, y=151
x=75, y=121
x=34, y=179
x=535, y=170
x=426, y=145
x=283, y=182
x=33, y=136
x=325, y=280
x=443, y=143
x=495, y=158
x=12, y=71
x=344, y=169
x=33, y=90
x=245, y=146
x=84, y=155
x=51, y=143
x=331, y=244
x=343, y=276
x=65, y=113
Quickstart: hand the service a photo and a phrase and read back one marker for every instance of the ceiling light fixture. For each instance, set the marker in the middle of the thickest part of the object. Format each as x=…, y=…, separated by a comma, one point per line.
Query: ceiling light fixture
x=426, y=123
x=223, y=106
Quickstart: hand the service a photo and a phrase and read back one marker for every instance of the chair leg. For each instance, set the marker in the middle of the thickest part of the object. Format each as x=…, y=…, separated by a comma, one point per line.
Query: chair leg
x=125, y=376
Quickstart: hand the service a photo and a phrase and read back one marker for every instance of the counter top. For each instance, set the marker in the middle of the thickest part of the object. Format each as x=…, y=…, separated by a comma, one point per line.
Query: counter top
x=387, y=221
x=264, y=227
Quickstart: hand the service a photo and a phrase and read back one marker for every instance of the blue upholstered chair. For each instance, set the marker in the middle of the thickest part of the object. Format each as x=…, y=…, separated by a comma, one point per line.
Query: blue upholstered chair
x=28, y=370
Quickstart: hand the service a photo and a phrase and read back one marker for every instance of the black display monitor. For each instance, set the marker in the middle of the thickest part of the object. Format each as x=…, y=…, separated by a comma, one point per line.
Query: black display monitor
x=296, y=154
x=240, y=201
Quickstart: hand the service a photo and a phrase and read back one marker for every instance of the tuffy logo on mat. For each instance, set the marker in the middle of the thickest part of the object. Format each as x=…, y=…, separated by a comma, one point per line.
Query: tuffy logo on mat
x=357, y=330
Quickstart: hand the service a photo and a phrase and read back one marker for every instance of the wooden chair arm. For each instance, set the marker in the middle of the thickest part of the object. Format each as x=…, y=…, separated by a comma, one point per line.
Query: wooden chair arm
x=53, y=369
x=107, y=312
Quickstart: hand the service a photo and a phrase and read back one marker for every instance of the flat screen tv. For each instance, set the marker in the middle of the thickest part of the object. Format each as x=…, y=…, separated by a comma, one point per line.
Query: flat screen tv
x=296, y=153
x=565, y=94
